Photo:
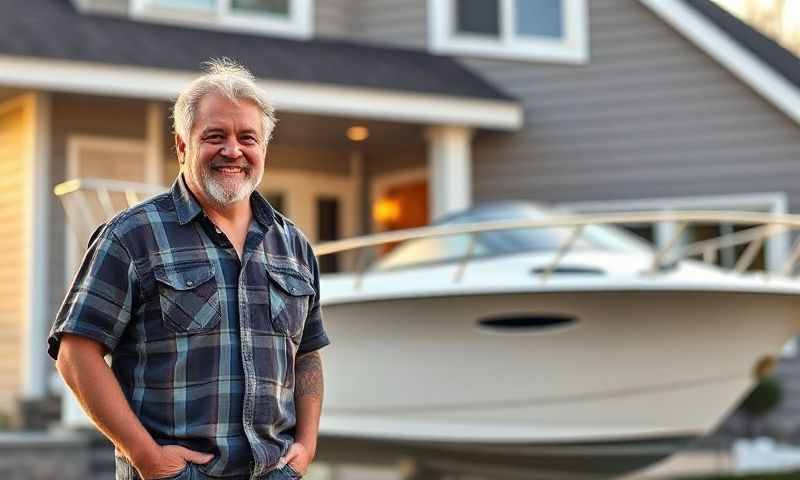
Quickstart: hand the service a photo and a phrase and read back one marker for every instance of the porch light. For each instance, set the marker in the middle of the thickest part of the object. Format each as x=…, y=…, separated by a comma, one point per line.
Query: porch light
x=357, y=133
x=386, y=210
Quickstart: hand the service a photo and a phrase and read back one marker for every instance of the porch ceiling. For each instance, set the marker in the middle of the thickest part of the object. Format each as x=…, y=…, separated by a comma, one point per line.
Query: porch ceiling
x=330, y=132
x=6, y=93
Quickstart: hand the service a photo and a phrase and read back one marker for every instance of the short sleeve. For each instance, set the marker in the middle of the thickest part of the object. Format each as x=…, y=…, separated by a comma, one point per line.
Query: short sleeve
x=100, y=301
x=314, y=336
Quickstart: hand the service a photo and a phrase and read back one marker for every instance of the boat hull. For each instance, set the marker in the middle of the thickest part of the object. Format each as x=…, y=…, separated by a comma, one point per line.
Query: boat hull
x=565, y=461
x=634, y=365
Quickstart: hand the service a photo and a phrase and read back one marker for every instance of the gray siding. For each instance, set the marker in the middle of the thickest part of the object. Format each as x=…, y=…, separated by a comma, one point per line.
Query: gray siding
x=392, y=22
x=335, y=18
x=649, y=116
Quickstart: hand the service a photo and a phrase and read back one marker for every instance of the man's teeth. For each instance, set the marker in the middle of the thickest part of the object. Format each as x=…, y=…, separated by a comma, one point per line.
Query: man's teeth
x=230, y=169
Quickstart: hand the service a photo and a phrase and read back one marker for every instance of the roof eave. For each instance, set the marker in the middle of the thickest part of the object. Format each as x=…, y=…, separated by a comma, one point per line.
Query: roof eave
x=322, y=99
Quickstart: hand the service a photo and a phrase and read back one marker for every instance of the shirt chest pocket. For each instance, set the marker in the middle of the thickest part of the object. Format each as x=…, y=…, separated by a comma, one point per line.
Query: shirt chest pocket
x=188, y=296
x=290, y=296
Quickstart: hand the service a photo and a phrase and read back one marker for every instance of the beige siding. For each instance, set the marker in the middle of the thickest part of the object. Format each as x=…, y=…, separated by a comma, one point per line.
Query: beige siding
x=16, y=117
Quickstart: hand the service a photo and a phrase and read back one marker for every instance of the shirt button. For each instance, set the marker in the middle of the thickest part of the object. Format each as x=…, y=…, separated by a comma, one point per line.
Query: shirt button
x=189, y=283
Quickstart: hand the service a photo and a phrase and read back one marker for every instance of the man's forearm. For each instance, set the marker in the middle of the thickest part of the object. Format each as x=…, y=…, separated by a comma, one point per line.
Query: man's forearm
x=82, y=366
x=308, y=392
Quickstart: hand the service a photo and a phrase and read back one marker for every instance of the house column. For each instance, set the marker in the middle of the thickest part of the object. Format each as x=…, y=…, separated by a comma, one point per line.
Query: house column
x=450, y=163
x=36, y=320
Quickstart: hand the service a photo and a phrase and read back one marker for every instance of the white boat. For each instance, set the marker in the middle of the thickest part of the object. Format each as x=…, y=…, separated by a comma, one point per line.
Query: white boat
x=568, y=350
x=513, y=342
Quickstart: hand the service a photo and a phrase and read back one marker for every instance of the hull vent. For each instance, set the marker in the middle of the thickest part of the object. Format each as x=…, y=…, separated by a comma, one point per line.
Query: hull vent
x=526, y=323
x=567, y=270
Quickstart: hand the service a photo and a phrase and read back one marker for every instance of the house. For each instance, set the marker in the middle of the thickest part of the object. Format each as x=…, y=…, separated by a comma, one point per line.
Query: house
x=601, y=105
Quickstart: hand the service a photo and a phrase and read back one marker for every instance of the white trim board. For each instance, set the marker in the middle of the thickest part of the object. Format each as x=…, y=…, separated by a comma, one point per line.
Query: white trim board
x=775, y=202
x=748, y=67
x=322, y=99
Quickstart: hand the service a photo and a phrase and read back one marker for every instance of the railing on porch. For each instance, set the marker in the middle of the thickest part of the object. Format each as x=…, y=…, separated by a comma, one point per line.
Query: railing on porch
x=90, y=202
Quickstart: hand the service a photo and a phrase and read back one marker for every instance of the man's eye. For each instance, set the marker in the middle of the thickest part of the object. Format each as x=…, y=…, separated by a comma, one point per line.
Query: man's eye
x=249, y=139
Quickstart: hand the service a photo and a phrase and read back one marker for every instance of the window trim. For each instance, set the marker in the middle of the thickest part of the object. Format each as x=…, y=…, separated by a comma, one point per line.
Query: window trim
x=572, y=49
x=299, y=24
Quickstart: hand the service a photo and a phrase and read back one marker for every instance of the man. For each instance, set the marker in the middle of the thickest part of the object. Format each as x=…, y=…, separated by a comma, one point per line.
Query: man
x=207, y=301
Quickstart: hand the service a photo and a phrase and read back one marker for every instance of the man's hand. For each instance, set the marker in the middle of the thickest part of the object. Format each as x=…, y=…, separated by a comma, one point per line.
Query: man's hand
x=298, y=458
x=169, y=460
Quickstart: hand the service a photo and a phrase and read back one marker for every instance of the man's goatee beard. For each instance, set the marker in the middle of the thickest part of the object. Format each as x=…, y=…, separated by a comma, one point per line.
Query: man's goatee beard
x=226, y=196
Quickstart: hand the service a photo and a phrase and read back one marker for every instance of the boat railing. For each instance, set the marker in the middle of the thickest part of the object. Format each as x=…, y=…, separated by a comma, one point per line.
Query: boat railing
x=763, y=226
x=89, y=202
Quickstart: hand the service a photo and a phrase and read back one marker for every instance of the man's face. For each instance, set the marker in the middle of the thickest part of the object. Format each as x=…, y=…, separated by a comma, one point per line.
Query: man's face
x=224, y=158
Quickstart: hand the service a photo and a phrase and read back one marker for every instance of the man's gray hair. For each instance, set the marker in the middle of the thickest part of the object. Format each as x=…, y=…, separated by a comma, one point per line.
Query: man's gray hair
x=225, y=77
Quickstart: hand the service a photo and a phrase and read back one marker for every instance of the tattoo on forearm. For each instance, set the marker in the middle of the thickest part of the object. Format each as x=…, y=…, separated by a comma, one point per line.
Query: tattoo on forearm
x=308, y=375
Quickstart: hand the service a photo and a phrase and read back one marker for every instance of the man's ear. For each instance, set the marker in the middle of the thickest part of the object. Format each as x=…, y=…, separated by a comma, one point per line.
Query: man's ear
x=180, y=148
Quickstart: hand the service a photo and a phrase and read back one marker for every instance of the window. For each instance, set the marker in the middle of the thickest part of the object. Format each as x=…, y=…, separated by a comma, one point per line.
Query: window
x=291, y=18
x=545, y=30
x=328, y=230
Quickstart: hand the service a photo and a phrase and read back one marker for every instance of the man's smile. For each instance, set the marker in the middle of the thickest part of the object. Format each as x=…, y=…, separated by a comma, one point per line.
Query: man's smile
x=229, y=169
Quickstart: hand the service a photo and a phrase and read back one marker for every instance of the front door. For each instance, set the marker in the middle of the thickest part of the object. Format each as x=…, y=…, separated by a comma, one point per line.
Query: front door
x=402, y=205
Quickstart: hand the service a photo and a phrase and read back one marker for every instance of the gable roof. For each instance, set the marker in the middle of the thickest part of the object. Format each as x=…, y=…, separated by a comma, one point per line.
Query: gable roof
x=71, y=35
x=758, y=61
x=771, y=52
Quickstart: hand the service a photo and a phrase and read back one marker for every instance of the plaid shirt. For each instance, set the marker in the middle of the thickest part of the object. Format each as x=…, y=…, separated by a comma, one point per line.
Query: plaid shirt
x=202, y=344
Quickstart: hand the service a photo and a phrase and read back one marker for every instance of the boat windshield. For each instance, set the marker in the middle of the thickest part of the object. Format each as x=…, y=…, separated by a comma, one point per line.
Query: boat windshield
x=506, y=242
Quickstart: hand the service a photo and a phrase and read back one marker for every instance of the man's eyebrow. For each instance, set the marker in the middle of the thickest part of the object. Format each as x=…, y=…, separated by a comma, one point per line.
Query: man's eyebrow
x=211, y=130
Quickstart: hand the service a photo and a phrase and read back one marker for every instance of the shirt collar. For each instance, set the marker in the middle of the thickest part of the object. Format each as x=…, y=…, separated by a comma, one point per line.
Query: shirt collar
x=188, y=208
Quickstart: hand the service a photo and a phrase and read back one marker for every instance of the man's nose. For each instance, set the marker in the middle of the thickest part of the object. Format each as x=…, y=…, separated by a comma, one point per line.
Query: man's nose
x=231, y=149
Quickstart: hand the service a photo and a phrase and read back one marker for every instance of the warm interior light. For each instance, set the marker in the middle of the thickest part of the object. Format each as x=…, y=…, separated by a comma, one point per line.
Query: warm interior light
x=386, y=210
x=357, y=134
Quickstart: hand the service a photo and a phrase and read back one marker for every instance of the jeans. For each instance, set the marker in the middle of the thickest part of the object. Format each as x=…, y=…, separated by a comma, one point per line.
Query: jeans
x=126, y=472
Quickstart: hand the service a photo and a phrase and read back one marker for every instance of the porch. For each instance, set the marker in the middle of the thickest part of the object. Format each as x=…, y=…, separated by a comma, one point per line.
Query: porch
x=335, y=175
